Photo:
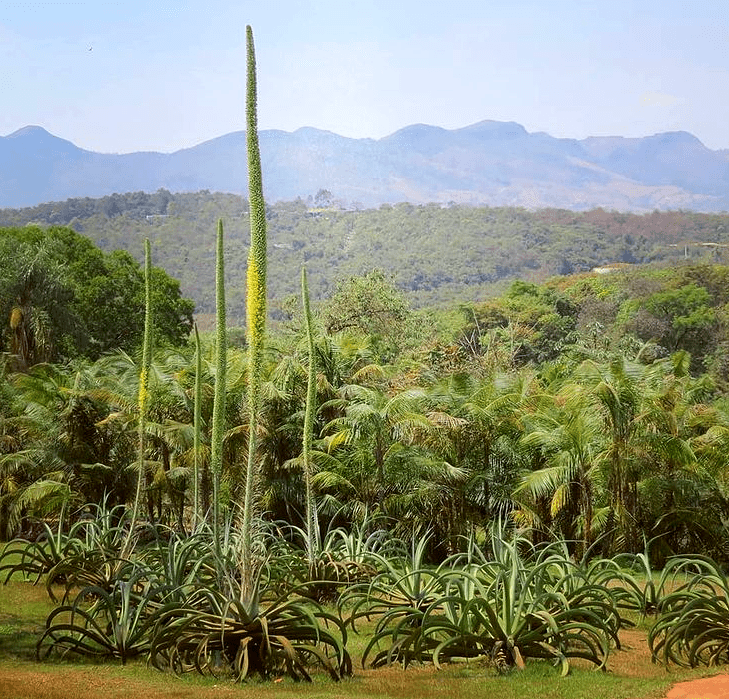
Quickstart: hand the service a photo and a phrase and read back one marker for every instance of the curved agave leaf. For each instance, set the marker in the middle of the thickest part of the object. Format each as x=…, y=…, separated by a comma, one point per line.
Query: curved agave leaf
x=525, y=603
x=693, y=625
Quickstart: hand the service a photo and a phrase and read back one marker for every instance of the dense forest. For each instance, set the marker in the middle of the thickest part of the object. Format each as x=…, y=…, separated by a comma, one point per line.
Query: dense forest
x=526, y=455
x=437, y=255
x=61, y=298
x=442, y=420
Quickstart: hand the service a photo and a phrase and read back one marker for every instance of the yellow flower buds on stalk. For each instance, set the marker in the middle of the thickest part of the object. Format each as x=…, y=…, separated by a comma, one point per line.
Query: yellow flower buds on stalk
x=256, y=310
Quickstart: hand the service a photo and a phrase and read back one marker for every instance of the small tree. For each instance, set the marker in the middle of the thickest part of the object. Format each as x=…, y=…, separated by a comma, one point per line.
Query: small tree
x=371, y=305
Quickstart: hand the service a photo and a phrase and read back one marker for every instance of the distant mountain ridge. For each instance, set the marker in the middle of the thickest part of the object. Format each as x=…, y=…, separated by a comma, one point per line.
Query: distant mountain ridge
x=487, y=163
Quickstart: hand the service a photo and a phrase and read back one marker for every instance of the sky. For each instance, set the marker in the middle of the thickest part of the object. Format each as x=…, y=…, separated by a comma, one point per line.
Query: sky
x=118, y=77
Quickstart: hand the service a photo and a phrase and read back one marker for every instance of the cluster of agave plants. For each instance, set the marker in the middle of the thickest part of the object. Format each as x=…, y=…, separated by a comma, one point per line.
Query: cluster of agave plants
x=177, y=600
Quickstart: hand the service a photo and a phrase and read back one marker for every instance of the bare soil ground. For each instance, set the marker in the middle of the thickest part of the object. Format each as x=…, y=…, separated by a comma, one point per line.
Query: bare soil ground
x=637, y=658
x=716, y=687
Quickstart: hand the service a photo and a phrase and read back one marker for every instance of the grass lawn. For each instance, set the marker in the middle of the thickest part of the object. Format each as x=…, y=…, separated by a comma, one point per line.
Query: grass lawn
x=23, y=608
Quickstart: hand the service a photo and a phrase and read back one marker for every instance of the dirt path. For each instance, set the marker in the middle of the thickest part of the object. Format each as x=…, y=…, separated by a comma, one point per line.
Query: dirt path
x=716, y=687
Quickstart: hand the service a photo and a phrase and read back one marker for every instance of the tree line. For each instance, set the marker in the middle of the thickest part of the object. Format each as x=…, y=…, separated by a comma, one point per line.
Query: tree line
x=436, y=255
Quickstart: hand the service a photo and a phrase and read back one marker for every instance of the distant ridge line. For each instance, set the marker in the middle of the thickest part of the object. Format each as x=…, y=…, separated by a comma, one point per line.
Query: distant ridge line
x=485, y=163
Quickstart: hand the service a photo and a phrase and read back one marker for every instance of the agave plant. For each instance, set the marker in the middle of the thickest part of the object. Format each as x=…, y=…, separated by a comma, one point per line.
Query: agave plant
x=181, y=564
x=693, y=626
x=345, y=557
x=118, y=623
x=215, y=633
x=549, y=608
x=88, y=553
x=98, y=558
x=37, y=558
x=474, y=623
x=637, y=587
x=505, y=610
x=401, y=581
x=398, y=596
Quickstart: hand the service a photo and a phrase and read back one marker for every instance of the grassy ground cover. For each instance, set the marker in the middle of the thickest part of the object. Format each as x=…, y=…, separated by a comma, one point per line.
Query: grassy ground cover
x=23, y=608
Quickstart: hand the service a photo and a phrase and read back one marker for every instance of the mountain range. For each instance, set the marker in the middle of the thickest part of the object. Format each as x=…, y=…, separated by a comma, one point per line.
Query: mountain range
x=488, y=163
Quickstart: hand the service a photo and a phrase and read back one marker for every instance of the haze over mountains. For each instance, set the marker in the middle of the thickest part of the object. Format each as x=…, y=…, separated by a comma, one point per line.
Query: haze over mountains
x=488, y=163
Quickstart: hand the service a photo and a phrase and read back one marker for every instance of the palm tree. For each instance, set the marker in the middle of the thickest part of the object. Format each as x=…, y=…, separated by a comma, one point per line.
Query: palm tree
x=168, y=428
x=371, y=442
x=711, y=519
x=39, y=307
x=470, y=433
x=569, y=435
x=677, y=422
x=615, y=391
x=280, y=428
x=450, y=489
x=644, y=411
x=67, y=445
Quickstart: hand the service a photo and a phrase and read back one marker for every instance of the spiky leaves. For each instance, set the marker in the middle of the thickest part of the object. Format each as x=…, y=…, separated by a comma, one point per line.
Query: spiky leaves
x=506, y=610
x=120, y=624
x=218, y=428
x=256, y=312
x=693, y=624
x=213, y=634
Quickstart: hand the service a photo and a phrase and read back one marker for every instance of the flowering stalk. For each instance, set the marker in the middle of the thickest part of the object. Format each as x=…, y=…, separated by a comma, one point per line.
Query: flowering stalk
x=216, y=437
x=312, y=528
x=143, y=397
x=197, y=422
x=256, y=317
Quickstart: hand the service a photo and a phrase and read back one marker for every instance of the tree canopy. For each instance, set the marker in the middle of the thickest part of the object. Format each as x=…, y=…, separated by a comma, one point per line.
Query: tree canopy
x=434, y=254
x=61, y=297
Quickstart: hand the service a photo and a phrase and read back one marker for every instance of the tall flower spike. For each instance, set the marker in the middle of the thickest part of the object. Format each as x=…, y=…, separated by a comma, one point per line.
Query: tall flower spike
x=312, y=531
x=256, y=312
x=143, y=398
x=197, y=421
x=218, y=428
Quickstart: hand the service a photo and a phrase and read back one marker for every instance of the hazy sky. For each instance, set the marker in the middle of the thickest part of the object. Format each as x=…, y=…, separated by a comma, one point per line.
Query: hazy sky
x=148, y=75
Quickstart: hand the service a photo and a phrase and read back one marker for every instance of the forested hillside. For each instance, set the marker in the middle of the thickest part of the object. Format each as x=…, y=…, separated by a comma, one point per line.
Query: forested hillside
x=650, y=312
x=437, y=255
